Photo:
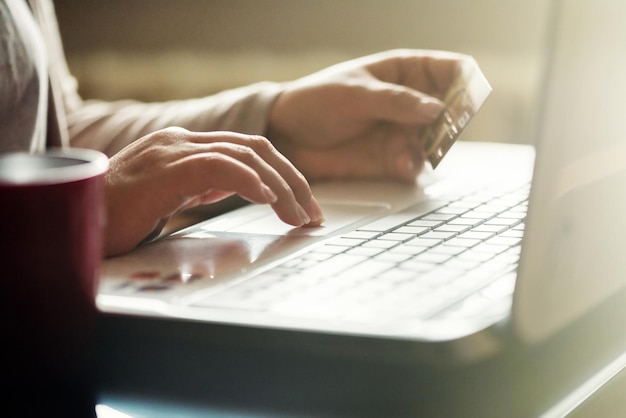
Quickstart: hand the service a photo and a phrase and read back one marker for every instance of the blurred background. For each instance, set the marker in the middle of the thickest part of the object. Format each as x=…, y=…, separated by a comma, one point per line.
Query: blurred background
x=169, y=49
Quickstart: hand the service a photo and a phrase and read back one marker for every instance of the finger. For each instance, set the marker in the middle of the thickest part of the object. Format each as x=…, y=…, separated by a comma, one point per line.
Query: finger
x=427, y=71
x=298, y=185
x=295, y=198
x=440, y=70
x=402, y=152
x=208, y=175
x=399, y=104
x=286, y=205
x=388, y=152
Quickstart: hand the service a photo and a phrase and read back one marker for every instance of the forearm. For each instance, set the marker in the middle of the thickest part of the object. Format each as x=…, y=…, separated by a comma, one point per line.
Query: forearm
x=109, y=126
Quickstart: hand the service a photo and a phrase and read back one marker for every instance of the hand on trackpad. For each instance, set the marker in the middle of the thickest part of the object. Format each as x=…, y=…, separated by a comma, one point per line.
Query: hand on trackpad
x=260, y=219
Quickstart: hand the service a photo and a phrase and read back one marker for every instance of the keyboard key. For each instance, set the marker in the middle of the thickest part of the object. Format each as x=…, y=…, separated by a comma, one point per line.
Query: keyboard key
x=452, y=210
x=447, y=249
x=486, y=247
x=478, y=215
x=463, y=242
x=491, y=208
x=423, y=242
x=465, y=204
x=466, y=221
x=417, y=265
x=407, y=249
x=507, y=241
x=512, y=233
x=509, y=222
x=372, y=289
x=439, y=235
x=387, y=223
x=433, y=257
x=495, y=229
x=330, y=249
x=439, y=217
x=365, y=251
x=512, y=215
x=395, y=236
x=370, y=268
x=452, y=228
x=476, y=235
x=511, y=256
x=380, y=244
x=396, y=219
x=346, y=242
x=473, y=255
x=425, y=223
x=521, y=208
x=461, y=265
x=333, y=265
x=395, y=257
x=414, y=230
x=397, y=275
x=439, y=276
x=361, y=234
x=317, y=256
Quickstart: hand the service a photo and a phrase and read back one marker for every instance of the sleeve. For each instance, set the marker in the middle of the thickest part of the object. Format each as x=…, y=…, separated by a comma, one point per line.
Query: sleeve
x=109, y=126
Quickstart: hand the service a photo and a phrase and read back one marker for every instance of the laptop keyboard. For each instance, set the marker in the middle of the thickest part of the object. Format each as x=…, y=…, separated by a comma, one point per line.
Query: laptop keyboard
x=450, y=262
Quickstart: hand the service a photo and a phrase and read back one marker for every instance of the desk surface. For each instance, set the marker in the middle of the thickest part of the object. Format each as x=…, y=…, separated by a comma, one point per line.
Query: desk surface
x=605, y=401
x=159, y=366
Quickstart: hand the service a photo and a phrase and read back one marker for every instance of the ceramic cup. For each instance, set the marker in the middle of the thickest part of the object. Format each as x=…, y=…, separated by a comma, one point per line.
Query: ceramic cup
x=52, y=215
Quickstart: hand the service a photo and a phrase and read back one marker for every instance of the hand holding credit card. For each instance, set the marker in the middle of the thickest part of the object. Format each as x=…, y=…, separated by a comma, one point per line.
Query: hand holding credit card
x=465, y=96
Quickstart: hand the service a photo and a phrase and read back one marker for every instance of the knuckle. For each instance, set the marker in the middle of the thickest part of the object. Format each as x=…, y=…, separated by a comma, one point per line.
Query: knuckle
x=301, y=181
x=260, y=144
x=171, y=135
x=284, y=190
x=245, y=154
x=174, y=130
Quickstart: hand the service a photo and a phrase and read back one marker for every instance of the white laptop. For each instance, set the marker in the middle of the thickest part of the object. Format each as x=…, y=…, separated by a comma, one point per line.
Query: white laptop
x=377, y=268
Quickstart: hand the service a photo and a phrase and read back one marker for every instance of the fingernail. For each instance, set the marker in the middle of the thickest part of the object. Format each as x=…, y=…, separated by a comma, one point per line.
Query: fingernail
x=269, y=194
x=303, y=215
x=431, y=108
x=316, y=211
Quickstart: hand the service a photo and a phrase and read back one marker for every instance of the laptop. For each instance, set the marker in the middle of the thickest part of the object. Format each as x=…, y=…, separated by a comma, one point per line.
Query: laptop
x=518, y=240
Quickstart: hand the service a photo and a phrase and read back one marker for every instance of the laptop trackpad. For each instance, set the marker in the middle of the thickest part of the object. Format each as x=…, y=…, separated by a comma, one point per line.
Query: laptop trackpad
x=231, y=243
x=260, y=219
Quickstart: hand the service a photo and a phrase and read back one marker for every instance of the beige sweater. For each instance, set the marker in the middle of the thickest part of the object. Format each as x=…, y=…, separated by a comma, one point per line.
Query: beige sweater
x=109, y=126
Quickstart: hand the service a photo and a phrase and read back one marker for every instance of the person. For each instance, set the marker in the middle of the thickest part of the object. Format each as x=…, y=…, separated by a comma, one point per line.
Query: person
x=265, y=142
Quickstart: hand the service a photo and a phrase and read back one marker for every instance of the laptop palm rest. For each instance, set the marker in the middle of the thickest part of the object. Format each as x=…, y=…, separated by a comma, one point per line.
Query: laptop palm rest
x=260, y=219
x=210, y=253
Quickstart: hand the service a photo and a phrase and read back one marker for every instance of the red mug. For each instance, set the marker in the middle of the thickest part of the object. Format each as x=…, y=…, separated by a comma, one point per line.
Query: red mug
x=52, y=212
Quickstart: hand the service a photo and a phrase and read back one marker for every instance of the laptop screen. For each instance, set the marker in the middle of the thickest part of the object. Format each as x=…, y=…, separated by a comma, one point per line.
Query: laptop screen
x=574, y=255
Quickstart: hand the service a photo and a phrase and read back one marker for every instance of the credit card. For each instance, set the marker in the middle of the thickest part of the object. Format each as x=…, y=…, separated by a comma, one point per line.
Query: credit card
x=464, y=98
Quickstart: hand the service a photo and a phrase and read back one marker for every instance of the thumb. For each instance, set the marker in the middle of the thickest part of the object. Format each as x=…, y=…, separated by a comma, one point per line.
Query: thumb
x=400, y=104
